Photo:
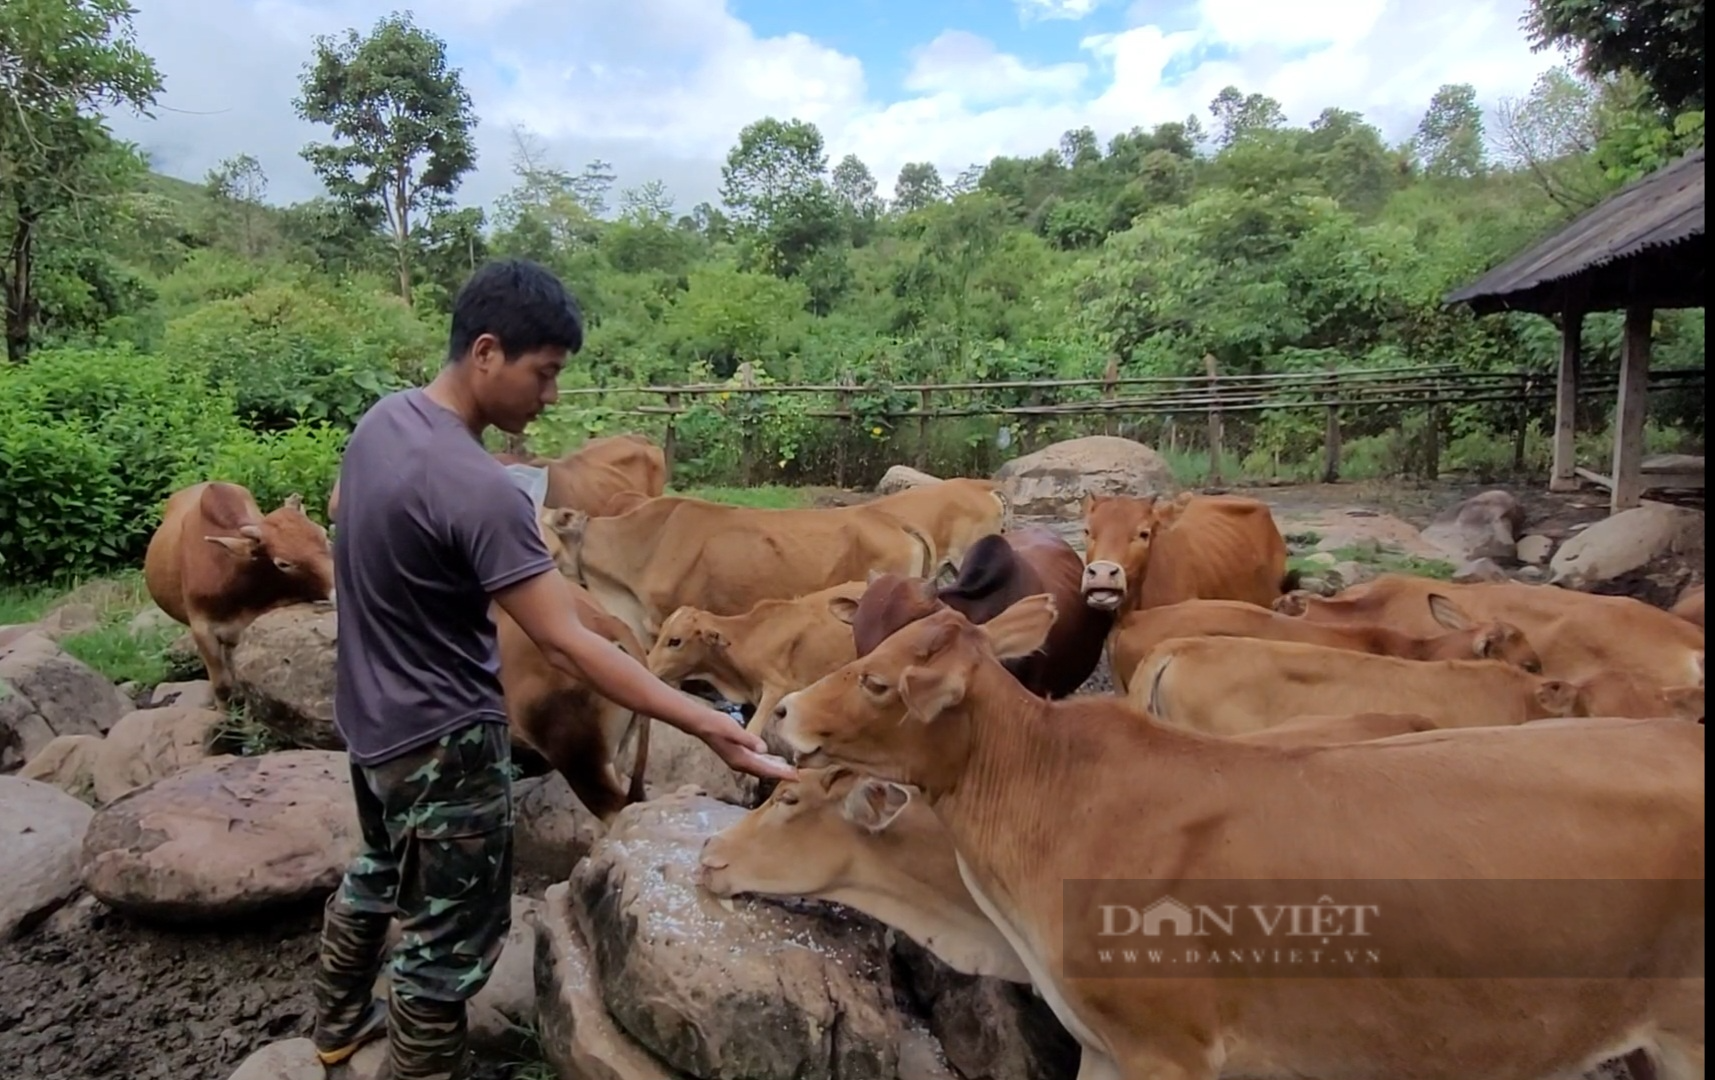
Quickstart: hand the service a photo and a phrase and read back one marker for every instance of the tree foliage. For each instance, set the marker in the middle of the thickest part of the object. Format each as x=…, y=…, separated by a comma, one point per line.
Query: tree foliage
x=1660, y=41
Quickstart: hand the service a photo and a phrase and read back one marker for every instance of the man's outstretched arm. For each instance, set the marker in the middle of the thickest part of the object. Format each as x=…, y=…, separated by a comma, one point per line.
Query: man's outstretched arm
x=542, y=606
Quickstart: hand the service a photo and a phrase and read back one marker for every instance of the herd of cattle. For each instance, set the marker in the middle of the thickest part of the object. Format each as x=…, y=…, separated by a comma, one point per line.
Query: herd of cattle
x=917, y=656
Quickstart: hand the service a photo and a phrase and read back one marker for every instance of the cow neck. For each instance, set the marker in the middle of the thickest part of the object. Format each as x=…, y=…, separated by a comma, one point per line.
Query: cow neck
x=641, y=528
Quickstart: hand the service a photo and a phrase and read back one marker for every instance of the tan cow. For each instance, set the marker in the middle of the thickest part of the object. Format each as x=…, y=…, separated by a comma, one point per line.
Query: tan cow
x=588, y=477
x=1587, y=866
x=674, y=552
x=954, y=513
x=1577, y=634
x=575, y=730
x=1461, y=639
x=1147, y=553
x=1690, y=606
x=216, y=563
x=758, y=657
x=1230, y=686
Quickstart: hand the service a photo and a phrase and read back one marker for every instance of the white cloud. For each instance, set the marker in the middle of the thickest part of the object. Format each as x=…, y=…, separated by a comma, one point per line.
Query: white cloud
x=661, y=88
x=1056, y=9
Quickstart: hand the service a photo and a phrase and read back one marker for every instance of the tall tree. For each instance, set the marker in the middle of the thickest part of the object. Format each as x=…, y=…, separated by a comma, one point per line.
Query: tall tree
x=1237, y=115
x=1449, y=139
x=408, y=120
x=60, y=61
x=774, y=163
x=238, y=184
x=1551, y=134
x=1659, y=40
x=918, y=185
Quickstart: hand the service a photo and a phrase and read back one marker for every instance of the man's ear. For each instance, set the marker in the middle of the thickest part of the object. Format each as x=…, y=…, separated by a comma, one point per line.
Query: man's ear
x=928, y=692
x=843, y=608
x=875, y=804
x=1022, y=628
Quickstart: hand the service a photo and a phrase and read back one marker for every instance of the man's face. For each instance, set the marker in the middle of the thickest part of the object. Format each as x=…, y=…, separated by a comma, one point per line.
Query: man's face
x=513, y=394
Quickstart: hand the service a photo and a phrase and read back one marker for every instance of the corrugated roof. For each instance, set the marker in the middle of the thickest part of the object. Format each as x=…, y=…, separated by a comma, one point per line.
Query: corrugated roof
x=1660, y=210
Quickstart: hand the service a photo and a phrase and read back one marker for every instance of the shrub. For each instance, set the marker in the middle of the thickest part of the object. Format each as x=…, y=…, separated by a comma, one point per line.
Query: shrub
x=302, y=460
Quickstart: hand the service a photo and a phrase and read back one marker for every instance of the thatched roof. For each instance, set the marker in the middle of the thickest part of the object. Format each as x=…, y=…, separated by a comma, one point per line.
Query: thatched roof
x=1641, y=245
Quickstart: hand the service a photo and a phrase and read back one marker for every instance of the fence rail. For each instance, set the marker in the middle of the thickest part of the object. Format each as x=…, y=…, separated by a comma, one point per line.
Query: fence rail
x=1210, y=395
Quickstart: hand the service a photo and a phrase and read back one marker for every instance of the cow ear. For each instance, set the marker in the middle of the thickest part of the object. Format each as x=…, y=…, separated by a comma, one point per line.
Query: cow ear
x=294, y=502
x=1557, y=697
x=875, y=804
x=928, y=692
x=843, y=608
x=715, y=638
x=1447, y=613
x=1022, y=628
x=1167, y=511
x=241, y=546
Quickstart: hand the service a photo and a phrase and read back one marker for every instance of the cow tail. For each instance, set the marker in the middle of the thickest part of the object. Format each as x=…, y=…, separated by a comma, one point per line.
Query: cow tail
x=1157, y=703
x=640, y=764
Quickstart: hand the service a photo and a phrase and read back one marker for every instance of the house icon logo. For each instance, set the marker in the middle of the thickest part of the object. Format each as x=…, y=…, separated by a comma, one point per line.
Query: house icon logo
x=1169, y=912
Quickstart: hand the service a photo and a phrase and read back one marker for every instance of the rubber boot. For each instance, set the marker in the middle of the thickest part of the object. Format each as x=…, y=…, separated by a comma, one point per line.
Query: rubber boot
x=427, y=1040
x=348, y=1014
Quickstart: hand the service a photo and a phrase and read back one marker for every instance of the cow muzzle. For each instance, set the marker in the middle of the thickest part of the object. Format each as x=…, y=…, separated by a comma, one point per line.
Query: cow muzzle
x=1104, y=585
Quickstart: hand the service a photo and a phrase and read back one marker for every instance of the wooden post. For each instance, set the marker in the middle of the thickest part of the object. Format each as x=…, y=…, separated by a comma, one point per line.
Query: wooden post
x=923, y=428
x=1110, y=390
x=843, y=404
x=1331, y=437
x=1630, y=411
x=1432, y=438
x=1521, y=429
x=670, y=441
x=1565, y=476
x=1214, y=423
x=747, y=459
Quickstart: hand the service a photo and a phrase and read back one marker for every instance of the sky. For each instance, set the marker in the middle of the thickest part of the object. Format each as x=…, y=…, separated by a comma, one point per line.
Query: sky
x=660, y=89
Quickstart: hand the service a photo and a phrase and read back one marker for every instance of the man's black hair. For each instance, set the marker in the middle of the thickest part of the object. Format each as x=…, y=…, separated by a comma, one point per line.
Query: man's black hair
x=521, y=303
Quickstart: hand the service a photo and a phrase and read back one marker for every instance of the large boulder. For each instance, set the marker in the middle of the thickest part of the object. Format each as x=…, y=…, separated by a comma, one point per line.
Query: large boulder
x=551, y=829
x=1625, y=542
x=903, y=478
x=758, y=992
x=678, y=760
x=1053, y=481
x=229, y=837
x=41, y=838
x=46, y=692
x=1485, y=526
x=68, y=762
x=283, y=669
x=148, y=744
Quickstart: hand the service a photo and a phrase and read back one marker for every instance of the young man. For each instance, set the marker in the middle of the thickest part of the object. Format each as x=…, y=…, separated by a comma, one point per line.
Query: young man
x=431, y=529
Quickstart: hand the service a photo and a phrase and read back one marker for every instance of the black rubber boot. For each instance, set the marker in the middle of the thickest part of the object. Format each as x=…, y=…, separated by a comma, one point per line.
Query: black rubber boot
x=427, y=1040
x=348, y=1015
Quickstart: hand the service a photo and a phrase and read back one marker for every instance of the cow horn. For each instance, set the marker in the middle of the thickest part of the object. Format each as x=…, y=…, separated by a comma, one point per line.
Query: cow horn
x=294, y=501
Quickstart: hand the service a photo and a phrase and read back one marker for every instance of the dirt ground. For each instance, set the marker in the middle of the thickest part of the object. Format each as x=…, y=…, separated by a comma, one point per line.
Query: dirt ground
x=93, y=996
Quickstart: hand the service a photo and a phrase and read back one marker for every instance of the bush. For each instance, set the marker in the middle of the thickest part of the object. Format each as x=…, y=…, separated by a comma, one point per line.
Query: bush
x=302, y=460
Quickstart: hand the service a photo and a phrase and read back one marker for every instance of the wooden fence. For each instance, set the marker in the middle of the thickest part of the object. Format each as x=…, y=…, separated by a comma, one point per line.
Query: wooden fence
x=1113, y=397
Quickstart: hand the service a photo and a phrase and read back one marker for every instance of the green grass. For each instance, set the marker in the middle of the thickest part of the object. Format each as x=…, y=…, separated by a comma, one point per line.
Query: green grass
x=109, y=647
x=1384, y=562
x=764, y=497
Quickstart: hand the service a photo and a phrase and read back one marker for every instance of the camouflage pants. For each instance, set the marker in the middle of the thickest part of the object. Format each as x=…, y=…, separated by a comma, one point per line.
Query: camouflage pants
x=437, y=854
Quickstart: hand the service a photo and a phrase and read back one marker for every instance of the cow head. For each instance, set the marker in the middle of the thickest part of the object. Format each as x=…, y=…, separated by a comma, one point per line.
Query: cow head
x=284, y=544
x=804, y=838
x=904, y=711
x=562, y=531
x=890, y=602
x=1119, y=531
x=1494, y=640
x=689, y=644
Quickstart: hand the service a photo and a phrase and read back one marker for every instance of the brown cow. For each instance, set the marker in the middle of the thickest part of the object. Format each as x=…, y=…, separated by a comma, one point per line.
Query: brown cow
x=758, y=657
x=588, y=477
x=499, y=455
x=1577, y=634
x=1141, y=631
x=1690, y=606
x=999, y=571
x=1146, y=553
x=954, y=513
x=216, y=562
x=575, y=730
x=672, y=552
x=1064, y=813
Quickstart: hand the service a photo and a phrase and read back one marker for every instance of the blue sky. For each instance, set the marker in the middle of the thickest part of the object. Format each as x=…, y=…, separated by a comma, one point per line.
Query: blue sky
x=661, y=88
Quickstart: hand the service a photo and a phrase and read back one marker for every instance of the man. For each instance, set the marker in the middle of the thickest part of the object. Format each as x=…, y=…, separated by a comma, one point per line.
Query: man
x=431, y=529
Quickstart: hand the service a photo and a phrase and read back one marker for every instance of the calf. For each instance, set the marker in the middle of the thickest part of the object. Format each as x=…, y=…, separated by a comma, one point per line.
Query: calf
x=760, y=656
x=954, y=514
x=1147, y=553
x=216, y=563
x=998, y=571
x=1141, y=631
x=590, y=476
x=1588, y=850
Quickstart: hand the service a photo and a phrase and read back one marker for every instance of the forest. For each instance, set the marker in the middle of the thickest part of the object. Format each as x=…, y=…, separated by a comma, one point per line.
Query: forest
x=161, y=331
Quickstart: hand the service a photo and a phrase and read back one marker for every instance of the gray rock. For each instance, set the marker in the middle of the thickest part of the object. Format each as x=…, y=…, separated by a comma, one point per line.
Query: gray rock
x=1534, y=550
x=283, y=670
x=41, y=839
x=46, y=692
x=903, y=477
x=1625, y=542
x=1053, y=481
x=1484, y=526
x=1479, y=570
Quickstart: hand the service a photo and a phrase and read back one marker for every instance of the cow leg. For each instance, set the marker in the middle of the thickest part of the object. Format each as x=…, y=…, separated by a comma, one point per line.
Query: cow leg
x=758, y=721
x=214, y=657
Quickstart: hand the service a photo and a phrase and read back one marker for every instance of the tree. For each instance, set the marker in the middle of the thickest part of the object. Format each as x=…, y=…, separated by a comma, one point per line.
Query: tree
x=1552, y=134
x=919, y=184
x=239, y=183
x=854, y=186
x=408, y=120
x=1449, y=140
x=1237, y=115
x=59, y=58
x=1660, y=40
x=774, y=163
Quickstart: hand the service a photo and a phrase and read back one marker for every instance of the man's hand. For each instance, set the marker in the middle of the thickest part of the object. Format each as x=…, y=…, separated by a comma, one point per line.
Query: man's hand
x=543, y=608
x=741, y=750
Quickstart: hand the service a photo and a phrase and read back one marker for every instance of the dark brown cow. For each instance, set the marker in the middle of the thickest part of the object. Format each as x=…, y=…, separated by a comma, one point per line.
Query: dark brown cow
x=998, y=571
x=216, y=562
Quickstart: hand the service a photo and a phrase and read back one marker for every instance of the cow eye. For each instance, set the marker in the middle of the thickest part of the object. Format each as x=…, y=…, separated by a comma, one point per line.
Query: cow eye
x=1143, y=534
x=674, y=643
x=872, y=684
x=283, y=565
x=788, y=798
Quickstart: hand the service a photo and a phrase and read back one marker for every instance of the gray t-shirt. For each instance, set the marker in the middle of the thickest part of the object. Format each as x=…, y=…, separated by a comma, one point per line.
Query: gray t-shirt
x=429, y=527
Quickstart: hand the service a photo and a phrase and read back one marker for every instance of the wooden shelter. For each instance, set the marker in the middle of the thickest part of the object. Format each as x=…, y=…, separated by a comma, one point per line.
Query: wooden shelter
x=1637, y=251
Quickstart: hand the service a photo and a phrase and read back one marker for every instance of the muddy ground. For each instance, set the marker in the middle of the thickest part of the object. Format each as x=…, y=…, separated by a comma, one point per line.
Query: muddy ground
x=91, y=995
